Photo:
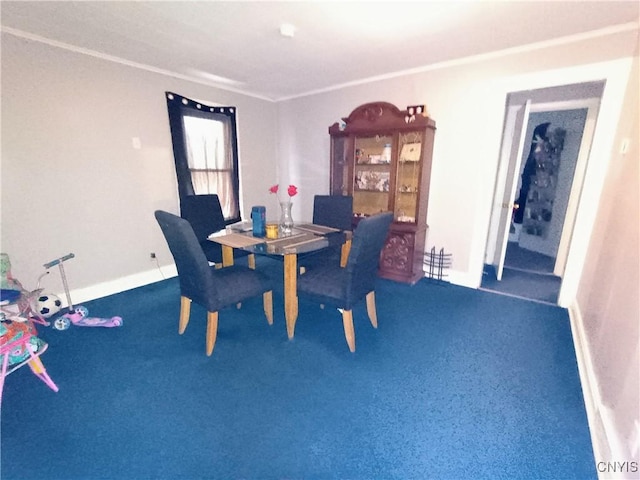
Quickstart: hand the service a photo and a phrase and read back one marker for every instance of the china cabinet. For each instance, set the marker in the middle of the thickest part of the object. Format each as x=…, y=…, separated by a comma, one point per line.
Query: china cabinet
x=381, y=155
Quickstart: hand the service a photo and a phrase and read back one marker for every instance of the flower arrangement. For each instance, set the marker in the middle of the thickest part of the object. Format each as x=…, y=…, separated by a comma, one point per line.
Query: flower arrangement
x=286, y=222
x=291, y=191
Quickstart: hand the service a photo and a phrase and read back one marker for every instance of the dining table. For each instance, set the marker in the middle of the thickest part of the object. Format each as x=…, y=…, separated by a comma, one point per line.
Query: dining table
x=303, y=238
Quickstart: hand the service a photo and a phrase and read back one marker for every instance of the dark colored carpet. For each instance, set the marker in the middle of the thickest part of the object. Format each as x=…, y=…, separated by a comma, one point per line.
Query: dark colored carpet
x=523, y=259
x=454, y=384
x=526, y=285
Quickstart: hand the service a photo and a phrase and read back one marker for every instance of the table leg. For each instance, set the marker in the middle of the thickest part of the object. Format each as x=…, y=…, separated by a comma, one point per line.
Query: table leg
x=290, y=292
x=227, y=256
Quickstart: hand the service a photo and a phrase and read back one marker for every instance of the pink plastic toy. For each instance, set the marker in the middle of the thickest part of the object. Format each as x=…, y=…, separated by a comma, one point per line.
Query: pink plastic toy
x=81, y=321
x=79, y=315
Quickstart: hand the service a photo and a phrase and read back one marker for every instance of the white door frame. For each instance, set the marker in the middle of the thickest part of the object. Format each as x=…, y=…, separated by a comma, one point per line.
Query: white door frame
x=515, y=162
x=592, y=106
x=616, y=75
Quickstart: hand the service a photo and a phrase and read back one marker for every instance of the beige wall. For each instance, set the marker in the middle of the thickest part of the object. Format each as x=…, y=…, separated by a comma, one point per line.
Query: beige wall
x=54, y=95
x=608, y=299
x=71, y=180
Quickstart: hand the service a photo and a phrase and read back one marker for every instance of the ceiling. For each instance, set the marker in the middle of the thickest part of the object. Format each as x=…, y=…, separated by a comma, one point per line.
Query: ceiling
x=237, y=45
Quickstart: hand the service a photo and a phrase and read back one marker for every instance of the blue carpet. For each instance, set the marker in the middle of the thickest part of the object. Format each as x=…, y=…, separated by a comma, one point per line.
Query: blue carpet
x=454, y=384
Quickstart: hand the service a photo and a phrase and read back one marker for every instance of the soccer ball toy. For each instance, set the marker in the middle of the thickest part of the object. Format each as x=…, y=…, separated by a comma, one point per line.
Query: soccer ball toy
x=48, y=305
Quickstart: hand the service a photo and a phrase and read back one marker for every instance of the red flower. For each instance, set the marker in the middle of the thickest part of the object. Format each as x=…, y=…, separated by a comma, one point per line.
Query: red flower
x=291, y=191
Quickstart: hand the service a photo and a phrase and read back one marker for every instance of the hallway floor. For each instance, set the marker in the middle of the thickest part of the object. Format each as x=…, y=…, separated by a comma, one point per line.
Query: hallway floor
x=519, y=258
x=526, y=274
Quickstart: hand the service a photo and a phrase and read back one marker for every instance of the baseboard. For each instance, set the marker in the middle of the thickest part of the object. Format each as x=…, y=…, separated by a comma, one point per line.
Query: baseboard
x=607, y=445
x=462, y=279
x=79, y=295
x=112, y=287
x=104, y=289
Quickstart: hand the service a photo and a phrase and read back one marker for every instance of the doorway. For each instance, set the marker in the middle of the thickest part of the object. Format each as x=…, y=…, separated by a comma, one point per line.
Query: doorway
x=545, y=147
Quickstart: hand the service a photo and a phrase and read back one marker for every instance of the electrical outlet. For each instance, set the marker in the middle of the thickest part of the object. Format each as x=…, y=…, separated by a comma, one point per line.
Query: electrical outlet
x=152, y=256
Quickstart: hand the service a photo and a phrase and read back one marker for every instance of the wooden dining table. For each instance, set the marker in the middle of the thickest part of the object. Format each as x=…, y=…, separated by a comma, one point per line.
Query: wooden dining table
x=305, y=237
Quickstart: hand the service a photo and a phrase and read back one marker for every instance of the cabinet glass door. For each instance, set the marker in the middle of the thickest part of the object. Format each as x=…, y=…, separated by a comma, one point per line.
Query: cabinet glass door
x=372, y=175
x=339, y=184
x=408, y=176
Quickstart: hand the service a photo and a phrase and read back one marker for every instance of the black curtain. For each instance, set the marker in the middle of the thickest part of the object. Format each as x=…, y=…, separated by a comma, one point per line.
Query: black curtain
x=178, y=107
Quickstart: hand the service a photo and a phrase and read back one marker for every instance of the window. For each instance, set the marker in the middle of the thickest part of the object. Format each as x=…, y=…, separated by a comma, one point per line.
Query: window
x=205, y=149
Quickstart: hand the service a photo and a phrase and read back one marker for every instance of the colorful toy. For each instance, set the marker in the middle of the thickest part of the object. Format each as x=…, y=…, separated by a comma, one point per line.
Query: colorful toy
x=19, y=343
x=16, y=303
x=78, y=316
x=7, y=282
x=20, y=346
x=48, y=305
x=61, y=323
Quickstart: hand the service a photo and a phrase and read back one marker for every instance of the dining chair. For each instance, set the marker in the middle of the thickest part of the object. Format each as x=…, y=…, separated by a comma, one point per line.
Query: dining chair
x=204, y=213
x=210, y=287
x=331, y=211
x=343, y=288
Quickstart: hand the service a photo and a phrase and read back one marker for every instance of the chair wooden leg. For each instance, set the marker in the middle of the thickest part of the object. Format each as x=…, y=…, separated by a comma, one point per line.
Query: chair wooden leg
x=349, y=333
x=185, y=311
x=212, y=331
x=267, y=301
x=344, y=253
x=251, y=261
x=371, y=309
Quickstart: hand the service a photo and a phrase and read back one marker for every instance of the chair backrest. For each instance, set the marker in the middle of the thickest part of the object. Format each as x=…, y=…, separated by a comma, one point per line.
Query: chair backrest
x=204, y=213
x=333, y=211
x=364, y=257
x=194, y=272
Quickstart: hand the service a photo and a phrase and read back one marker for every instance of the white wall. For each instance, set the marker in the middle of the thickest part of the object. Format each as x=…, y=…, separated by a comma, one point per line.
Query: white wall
x=71, y=180
x=607, y=308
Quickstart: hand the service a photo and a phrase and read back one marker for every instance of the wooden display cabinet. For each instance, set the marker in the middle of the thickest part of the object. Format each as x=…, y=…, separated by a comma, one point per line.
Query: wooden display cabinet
x=382, y=157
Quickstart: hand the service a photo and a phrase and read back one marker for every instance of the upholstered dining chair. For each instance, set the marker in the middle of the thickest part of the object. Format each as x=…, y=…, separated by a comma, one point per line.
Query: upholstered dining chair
x=204, y=213
x=212, y=288
x=343, y=288
x=331, y=211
